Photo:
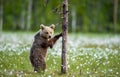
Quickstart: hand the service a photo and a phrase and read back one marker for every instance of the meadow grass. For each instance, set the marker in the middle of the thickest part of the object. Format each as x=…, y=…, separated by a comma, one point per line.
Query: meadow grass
x=88, y=55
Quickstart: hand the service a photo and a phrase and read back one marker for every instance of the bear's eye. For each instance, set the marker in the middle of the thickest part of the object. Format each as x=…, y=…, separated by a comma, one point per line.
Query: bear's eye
x=46, y=32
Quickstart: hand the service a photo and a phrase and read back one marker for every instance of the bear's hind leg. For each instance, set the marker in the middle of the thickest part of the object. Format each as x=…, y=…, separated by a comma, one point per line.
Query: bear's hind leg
x=43, y=67
x=37, y=69
x=39, y=64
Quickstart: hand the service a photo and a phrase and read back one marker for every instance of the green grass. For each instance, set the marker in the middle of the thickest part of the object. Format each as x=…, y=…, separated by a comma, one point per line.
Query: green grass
x=88, y=55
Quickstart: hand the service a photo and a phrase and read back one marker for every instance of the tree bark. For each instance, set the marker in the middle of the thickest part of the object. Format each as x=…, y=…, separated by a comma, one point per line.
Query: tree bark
x=64, y=38
x=1, y=15
x=115, y=14
x=29, y=14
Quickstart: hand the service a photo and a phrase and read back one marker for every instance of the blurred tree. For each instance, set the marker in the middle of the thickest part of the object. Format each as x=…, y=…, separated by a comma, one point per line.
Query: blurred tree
x=115, y=14
x=34, y=12
x=29, y=14
x=73, y=19
x=22, y=25
x=1, y=14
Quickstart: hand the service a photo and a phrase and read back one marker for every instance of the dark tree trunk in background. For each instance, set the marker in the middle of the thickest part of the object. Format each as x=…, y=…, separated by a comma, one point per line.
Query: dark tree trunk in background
x=1, y=15
x=29, y=14
x=115, y=14
x=64, y=38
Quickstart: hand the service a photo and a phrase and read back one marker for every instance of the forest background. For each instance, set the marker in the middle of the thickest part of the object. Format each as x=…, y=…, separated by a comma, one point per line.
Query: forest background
x=84, y=15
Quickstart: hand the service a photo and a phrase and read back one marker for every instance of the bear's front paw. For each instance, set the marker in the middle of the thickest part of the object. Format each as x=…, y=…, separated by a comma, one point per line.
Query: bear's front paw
x=50, y=44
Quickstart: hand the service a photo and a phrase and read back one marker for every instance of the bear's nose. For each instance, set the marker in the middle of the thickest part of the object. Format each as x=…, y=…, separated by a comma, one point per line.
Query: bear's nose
x=49, y=36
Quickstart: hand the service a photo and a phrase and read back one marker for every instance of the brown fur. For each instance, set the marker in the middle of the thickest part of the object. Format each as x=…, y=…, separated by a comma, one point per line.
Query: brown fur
x=39, y=49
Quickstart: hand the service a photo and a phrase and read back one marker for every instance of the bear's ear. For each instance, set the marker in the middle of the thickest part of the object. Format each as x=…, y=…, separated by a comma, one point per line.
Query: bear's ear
x=52, y=26
x=42, y=26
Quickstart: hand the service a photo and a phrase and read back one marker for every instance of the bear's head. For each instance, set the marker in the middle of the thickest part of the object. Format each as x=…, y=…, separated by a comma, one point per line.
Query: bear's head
x=46, y=31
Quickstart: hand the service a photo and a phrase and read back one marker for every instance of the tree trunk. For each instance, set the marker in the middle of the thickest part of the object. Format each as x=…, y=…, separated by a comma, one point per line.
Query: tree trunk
x=115, y=14
x=64, y=38
x=22, y=25
x=29, y=14
x=1, y=15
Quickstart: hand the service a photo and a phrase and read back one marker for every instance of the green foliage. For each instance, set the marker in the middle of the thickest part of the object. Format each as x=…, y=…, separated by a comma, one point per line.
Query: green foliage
x=92, y=16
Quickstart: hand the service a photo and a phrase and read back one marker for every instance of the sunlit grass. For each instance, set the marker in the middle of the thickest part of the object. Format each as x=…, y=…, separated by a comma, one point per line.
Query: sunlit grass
x=94, y=56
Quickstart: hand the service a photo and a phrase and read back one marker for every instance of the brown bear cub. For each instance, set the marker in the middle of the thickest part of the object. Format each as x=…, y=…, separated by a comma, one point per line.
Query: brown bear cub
x=42, y=41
